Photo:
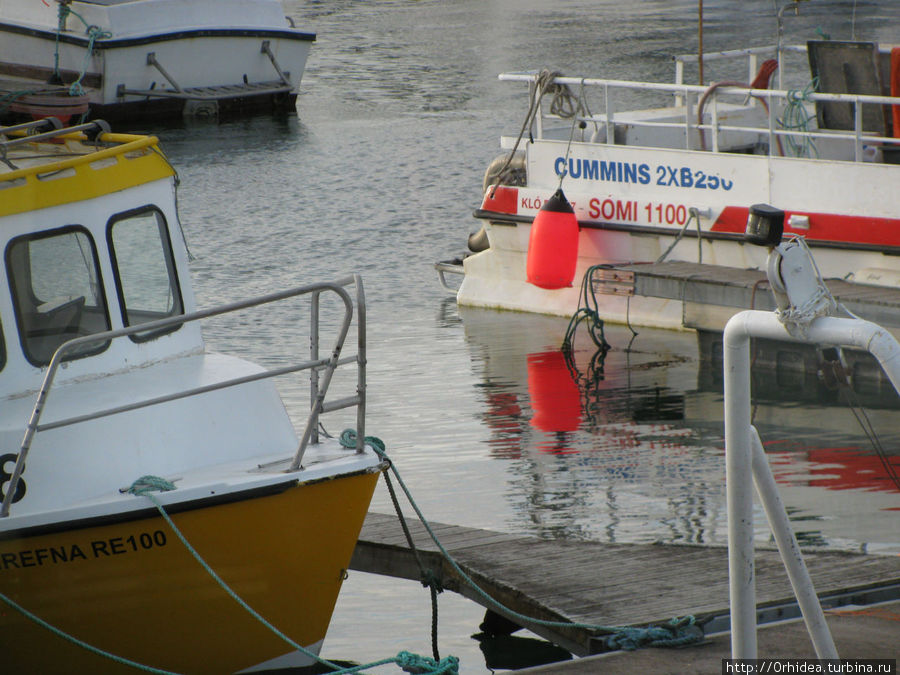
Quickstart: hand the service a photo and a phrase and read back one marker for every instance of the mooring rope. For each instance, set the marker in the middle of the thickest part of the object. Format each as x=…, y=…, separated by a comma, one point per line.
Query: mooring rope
x=144, y=487
x=93, y=33
x=426, y=576
x=588, y=312
x=674, y=633
x=80, y=643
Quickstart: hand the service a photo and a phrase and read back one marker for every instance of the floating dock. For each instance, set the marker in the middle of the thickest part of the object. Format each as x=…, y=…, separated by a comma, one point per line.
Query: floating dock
x=611, y=584
x=713, y=293
x=859, y=633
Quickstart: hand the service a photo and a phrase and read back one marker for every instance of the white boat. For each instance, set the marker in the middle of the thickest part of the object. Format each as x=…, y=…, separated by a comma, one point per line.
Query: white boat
x=148, y=59
x=105, y=379
x=664, y=172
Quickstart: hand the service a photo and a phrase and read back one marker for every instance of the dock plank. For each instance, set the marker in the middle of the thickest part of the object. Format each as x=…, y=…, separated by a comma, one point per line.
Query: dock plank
x=599, y=583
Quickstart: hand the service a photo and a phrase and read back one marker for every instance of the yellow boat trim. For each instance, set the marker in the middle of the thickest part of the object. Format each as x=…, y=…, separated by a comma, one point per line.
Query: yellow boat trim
x=135, y=162
x=134, y=590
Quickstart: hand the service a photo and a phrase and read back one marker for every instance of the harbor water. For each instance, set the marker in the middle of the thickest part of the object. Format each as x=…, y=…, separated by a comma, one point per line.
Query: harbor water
x=399, y=114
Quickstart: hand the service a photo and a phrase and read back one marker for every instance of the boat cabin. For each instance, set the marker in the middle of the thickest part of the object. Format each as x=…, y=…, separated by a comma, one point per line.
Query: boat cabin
x=82, y=255
x=92, y=244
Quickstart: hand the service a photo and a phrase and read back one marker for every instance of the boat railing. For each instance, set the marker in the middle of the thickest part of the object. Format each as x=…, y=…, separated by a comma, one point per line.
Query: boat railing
x=322, y=369
x=751, y=54
x=694, y=132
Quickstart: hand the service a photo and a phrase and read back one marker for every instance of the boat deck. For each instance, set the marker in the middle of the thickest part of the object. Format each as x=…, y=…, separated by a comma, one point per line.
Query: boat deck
x=612, y=584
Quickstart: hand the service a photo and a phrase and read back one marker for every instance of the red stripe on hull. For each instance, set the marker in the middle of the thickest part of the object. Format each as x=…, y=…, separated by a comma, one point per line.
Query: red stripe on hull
x=823, y=227
x=501, y=200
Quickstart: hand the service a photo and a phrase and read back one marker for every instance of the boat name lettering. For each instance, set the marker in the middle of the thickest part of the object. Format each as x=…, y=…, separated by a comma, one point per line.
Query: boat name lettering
x=613, y=209
x=641, y=174
x=97, y=548
x=632, y=211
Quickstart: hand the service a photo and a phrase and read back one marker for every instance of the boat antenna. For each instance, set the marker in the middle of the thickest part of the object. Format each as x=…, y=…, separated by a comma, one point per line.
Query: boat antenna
x=700, y=39
x=575, y=122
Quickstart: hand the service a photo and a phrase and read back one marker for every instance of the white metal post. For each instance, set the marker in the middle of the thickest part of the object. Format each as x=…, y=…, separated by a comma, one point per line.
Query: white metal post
x=742, y=589
x=740, y=439
x=791, y=556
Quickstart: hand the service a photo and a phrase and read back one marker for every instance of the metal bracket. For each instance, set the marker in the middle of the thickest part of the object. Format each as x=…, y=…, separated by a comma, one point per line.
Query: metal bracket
x=267, y=50
x=151, y=61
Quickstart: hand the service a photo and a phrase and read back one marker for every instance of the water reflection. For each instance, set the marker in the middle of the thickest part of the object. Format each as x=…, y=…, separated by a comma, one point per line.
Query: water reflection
x=626, y=444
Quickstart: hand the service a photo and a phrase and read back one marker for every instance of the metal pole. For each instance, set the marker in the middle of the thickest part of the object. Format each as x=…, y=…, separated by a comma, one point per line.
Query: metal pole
x=791, y=556
x=700, y=39
x=361, y=366
x=740, y=438
x=742, y=589
x=314, y=356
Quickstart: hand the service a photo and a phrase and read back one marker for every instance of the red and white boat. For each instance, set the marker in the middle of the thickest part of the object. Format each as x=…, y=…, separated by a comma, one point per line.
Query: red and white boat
x=672, y=177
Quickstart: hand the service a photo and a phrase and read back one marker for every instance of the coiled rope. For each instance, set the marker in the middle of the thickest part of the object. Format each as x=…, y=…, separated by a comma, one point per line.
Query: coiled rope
x=677, y=632
x=564, y=104
x=795, y=118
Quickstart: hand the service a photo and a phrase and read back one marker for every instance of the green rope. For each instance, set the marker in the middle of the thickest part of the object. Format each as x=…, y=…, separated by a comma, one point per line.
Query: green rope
x=588, y=313
x=143, y=487
x=620, y=637
x=84, y=645
x=94, y=33
x=796, y=119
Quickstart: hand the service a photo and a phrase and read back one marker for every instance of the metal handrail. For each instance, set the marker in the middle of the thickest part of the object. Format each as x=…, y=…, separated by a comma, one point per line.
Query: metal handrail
x=745, y=458
x=314, y=364
x=690, y=91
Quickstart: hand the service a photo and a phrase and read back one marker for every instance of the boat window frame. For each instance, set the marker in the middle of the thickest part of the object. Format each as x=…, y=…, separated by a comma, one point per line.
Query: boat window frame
x=101, y=298
x=171, y=268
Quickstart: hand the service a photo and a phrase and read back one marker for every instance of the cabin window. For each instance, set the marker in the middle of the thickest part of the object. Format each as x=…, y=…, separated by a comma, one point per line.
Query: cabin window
x=145, y=269
x=57, y=292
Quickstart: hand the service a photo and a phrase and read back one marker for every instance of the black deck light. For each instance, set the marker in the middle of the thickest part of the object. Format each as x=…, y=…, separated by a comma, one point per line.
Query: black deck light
x=765, y=225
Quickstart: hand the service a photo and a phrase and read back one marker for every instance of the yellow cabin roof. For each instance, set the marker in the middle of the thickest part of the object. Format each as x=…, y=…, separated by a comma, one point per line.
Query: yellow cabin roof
x=69, y=168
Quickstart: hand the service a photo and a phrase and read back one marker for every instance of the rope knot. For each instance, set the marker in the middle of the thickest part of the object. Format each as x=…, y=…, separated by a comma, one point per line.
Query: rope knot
x=146, y=484
x=348, y=440
x=676, y=633
x=431, y=580
x=423, y=665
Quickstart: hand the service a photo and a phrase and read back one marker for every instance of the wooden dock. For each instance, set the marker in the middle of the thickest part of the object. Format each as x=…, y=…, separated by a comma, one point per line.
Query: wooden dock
x=610, y=584
x=712, y=293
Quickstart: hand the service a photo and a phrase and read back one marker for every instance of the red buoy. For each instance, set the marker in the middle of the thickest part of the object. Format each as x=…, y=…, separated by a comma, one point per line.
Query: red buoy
x=553, y=244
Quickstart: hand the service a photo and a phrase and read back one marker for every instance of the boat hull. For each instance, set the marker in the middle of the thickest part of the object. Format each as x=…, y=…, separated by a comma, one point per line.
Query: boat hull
x=638, y=205
x=217, y=71
x=133, y=589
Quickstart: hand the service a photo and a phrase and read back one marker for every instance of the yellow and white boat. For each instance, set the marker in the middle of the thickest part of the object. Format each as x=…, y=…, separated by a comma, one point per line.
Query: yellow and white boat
x=104, y=379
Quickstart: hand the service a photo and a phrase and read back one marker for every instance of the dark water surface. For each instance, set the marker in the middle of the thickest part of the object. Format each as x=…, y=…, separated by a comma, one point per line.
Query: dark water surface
x=399, y=114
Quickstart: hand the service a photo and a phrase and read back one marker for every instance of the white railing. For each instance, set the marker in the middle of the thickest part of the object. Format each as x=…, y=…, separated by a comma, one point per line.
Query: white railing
x=686, y=97
x=319, y=381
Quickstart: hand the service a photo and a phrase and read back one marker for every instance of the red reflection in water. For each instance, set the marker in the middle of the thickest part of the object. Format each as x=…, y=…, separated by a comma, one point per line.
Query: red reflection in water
x=849, y=469
x=555, y=396
x=844, y=468
x=503, y=416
